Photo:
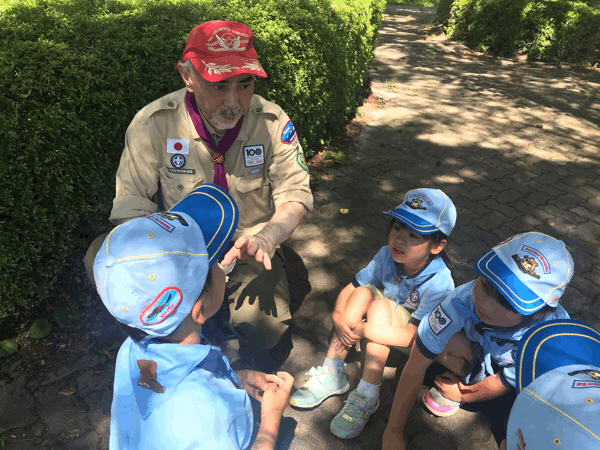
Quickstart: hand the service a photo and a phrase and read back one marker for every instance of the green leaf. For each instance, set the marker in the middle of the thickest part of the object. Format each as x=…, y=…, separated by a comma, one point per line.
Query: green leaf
x=40, y=329
x=8, y=347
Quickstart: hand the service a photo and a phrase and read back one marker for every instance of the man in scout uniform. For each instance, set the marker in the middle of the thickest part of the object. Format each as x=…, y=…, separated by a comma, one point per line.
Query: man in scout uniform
x=216, y=130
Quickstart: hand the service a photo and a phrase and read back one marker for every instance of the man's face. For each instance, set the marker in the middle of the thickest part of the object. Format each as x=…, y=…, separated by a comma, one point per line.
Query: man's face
x=225, y=102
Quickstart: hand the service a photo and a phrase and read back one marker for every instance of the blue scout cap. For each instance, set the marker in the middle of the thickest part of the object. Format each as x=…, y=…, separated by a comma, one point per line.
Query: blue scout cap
x=558, y=381
x=530, y=270
x=426, y=211
x=151, y=270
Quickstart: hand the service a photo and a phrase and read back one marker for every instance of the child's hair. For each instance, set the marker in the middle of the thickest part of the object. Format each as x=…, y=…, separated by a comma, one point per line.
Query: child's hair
x=494, y=293
x=138, y=335
x=433, y=239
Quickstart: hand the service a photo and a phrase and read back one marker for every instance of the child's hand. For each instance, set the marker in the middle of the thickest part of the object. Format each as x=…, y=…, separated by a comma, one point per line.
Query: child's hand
x=346, y=336
x=450, y=386
x=358, y=328
x=277, y=395
x=255, y=383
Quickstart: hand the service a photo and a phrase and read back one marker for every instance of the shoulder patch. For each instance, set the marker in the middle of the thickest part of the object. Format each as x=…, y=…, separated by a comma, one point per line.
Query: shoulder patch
x=413, y=298
x=438, y=320
x=288, y=135
x=301, y=161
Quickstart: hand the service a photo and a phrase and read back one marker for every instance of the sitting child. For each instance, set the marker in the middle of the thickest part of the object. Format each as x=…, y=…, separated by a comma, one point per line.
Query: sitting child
x=415, y=279
x=475, y=331
x=156, y=275
x=558, y=373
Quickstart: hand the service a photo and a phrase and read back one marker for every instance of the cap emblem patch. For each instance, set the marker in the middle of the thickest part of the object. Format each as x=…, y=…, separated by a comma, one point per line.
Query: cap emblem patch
x=173, y=216
x=160, y=222
x=595, y=374
x=527, y=264
x=417, y=202
x=162, y=306
x=227, y=42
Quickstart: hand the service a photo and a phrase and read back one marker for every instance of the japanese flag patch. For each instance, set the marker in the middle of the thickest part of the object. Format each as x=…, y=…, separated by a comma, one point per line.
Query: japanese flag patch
x=438, y=320
x=180, y=146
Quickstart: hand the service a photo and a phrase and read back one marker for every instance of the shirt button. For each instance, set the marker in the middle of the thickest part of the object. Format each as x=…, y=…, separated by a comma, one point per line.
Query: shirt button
x=258, y=109
x=170, y=104
x=180, y=187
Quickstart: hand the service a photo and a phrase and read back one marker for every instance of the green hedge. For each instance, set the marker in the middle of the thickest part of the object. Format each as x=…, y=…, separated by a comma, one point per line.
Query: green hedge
x=549, y=30
x=74, y=72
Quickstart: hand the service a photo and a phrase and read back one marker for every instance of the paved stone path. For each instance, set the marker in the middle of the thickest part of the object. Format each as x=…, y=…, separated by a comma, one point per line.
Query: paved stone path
x=515, y=146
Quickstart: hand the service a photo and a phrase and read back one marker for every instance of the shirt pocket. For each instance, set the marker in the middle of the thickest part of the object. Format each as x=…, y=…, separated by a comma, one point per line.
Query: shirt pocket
x=173, y=188
x=253, y=197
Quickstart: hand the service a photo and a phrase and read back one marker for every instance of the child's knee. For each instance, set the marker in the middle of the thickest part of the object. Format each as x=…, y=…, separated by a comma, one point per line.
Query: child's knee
x=379, y=312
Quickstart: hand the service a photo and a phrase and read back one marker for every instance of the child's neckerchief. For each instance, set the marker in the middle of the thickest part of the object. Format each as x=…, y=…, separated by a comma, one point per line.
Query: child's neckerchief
x=218, y=151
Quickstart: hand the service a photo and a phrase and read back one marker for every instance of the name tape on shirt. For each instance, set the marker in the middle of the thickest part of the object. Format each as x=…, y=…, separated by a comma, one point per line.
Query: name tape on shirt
x=180, y=146
x=438, y=320
x=254, y=155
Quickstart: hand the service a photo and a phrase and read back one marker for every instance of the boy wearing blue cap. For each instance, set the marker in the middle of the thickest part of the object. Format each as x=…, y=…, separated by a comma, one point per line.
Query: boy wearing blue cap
x=558, y=386
x=475, y=331
x=412, y=270
x=156, y=275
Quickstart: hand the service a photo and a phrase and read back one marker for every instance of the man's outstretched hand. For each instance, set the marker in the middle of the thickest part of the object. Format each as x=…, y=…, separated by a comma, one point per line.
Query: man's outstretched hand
x=250, y=246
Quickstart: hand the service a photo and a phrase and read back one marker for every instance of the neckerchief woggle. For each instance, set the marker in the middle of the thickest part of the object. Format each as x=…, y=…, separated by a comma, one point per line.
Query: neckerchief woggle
x=224, y=144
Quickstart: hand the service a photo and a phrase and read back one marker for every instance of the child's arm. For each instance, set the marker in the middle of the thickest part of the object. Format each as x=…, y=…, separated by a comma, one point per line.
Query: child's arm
x=386, y=334
x=406, y=394
x=487, y=389
x=341, y=328
x=274, y=401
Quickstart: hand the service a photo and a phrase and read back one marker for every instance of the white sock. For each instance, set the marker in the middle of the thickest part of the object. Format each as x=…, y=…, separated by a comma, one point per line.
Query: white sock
x=370, y=391
x=333, y=365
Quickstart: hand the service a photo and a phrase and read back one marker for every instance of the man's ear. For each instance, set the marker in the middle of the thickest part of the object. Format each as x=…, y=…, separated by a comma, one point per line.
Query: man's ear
x=187, y=78
x=437, y=248
x=197, y=312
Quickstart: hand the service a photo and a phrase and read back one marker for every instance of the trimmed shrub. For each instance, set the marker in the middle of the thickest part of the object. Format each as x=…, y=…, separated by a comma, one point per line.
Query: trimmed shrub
x=555, y=30
x=74, y=72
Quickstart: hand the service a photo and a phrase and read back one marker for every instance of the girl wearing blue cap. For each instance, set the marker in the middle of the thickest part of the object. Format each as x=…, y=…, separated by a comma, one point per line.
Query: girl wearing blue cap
x=415, y=279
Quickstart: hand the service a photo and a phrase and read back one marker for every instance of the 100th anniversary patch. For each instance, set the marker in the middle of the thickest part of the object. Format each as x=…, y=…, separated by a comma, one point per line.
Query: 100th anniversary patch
x=254, y=155
x=438, y=320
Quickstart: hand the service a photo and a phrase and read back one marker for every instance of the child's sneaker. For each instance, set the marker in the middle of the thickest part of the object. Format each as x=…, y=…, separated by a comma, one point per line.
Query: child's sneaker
x=438, y=405
x=353, y=417
x=320, y=386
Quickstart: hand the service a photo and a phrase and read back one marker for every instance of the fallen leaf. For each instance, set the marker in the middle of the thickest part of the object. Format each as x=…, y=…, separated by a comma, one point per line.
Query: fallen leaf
x=344, y=211
x=68, y=391
x=551, y=224
x=107, y=353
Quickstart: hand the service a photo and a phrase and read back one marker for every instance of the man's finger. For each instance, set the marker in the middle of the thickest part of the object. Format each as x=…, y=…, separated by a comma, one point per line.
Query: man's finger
x=266, y=261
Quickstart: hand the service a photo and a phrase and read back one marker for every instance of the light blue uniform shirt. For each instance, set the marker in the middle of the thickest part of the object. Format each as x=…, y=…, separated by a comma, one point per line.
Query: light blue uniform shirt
x=201, y=406
x=499, y=344
x=419, y=293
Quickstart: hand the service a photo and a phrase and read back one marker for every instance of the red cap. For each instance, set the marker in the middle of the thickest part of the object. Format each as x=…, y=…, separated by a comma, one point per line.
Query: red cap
x=221, y=49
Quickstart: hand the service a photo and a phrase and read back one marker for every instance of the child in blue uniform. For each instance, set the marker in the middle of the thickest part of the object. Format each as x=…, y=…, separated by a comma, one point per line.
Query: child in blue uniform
x=415, y=279
x=475, y=331
x=156, y=275
x=558, y=382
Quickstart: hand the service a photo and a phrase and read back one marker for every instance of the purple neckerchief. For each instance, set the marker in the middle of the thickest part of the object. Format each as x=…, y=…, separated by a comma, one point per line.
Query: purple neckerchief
x=224, y=145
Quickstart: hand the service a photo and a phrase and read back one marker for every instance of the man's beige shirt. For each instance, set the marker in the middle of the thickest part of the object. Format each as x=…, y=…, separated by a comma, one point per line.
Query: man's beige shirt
x=149, y=180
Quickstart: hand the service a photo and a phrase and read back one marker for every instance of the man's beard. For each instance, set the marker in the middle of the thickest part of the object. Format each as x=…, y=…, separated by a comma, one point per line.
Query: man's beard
x=221, y=124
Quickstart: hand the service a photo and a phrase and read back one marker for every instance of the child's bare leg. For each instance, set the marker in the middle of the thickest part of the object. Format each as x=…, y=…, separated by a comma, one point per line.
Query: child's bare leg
x=356, y=308
x=379, y=313
x=457, y=354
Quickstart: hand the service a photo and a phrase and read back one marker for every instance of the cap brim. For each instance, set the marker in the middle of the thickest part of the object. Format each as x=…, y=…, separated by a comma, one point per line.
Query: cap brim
x=413, y=222
x=524, y=300
x=215, y=212
x=220, y=68
x=554, y=344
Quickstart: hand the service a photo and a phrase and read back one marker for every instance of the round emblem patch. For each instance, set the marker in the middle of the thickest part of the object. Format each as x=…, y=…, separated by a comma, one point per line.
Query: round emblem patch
x=289, y=133
x=414, y=297
x=162, y=306
x=178, y=161
x=301, y=161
